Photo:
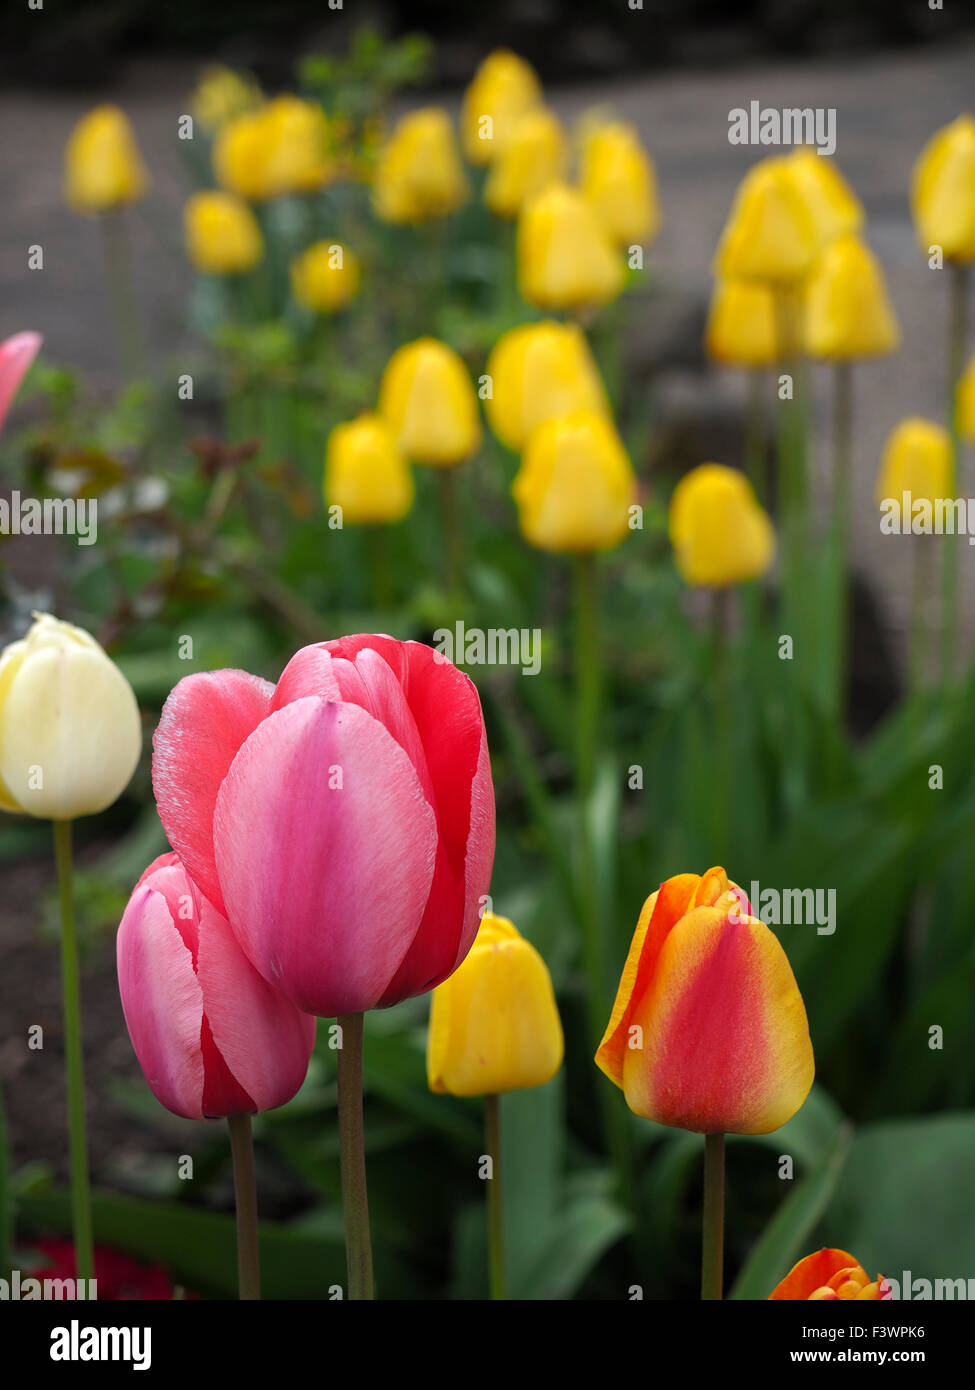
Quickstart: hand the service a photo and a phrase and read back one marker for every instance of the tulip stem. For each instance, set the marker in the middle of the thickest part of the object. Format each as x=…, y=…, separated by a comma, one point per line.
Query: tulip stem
x=492, y=1124
x=921, y=590
x=712, y=1244
x=722, y=613
x=352, y=1157
x=74, y=1059
x=245, y=1196
x=119, y=262
x=842, y=470
x=755, y=434
x=957, y=319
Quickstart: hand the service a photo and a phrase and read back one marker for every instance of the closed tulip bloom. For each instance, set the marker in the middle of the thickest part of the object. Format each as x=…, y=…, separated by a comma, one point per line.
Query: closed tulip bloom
x=719, y=530
x=708, y=1031
x=566, y=259
x=575, y=486
x=103, y=167
x=428, y=402
x=222, y=235
x=770, y=233
x=538, y=372
x=70, y=733
x=325, y=277
x=917, y=458
x=365, y=473
x=419, y=175
x=741, y=326
x=848, y=313
x=343, y=820
x=504, y=88
x=833, y=206
x=828, y=1276
x=16, y=355
x=241, y=156
x=618, y=181
x=494, y=1024
x=943, y=191
x=964, y=405
x=213, y=1039
x=534, y=157
x=280, y=148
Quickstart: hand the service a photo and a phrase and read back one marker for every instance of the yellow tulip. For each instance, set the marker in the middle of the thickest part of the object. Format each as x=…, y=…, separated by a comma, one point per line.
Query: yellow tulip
x=770, y=233
x=325, y=277
x=504, y=88
x=720, y=533
x=618, y=181
x=540, y=371
x=848, y=313
x=576, y=485
x=278, y=149
x=943, y=191
x=222, y=94
x=419, y=175
x=494, y=1023
x=427, y=399
x=566, y=260
x=222, y=235
x=365, y=473
x=70, y=732
x=965, y=404
x=741, y=327
x=103, y=167
x=240, y=156
x=917, y=458
x=832, y=205
x=534, y=157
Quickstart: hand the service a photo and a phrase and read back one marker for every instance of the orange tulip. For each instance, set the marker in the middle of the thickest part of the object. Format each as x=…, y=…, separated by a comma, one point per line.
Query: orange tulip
x=829, y=1275
x=708, y=1031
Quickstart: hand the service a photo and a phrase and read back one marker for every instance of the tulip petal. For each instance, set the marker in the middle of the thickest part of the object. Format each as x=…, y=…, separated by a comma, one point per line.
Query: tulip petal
x=203, y=723
x=16, y=355
x=812, y=1273
x=325, y=849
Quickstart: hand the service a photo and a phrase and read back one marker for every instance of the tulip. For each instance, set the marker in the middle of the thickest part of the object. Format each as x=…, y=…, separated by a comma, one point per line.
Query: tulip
x=538, y=372
x=720, y=533
x=504, y=88
x=534, y=157
x=741, y=326
x=943, y=191
x=70, y=733
x=576, y=486
x=222, y=235
x=566, y=260
x=770, y=234
x=833, y=206
x=16, y=355
x=829, y=1275
x=325, y=278
x=365, y=473
x=917, y=459
x=618, y=181
x=494, y=1024
x=848, y=313
x=964, y=404
x=223, y=94
x=103, y=167
x=281, y=148
x=419, y=175
x=428, y=402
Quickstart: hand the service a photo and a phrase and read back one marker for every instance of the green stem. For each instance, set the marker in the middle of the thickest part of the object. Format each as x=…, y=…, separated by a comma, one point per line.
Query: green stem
x=352, y=1157
x=452, y=538
x=245, y=1195
x=957, y=319
x=920, y=594
x=121, y=288
x=377, y=547
x=712, y=1243
x=74, y=1059
x=842, y=483
x=755, y=434
x=492, y=1123
x=722, y=686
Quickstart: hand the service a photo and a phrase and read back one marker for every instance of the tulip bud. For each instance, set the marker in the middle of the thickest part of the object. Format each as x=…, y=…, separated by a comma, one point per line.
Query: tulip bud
x=325, y=277
x=365, y=473
x=534, y=157
x=212, y=1037
x=741, y=327
x=419, y=175
x=494, y=1023
x=222, y=235
x=278, y=149
x=103, y=167
x=719, y=530
x=575, y=486
x=618, y=181
x=848, y=313
x=566, y=260
x=770, y=233
x=708, y=1031
x=221, y=95
x=428, y=402
x=918, y=459
x=943, y=191
x=538, y=372
x=964, y=404
x=16, y=355
x=830, y=201
x=240, y=156
x=70, y=733
x=504, y=88
x=827, y=1276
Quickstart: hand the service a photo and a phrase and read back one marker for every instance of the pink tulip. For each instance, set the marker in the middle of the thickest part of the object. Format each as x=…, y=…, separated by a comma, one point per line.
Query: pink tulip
x=16, y=355
x=343, y=820
x=211, y=1036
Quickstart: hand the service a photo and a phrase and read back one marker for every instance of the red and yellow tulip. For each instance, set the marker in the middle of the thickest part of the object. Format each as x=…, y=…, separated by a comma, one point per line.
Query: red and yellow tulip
x=826, y=1276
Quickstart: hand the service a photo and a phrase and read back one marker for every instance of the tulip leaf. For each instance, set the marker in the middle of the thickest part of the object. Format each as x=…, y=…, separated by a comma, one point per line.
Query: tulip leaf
x=587, y=1227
